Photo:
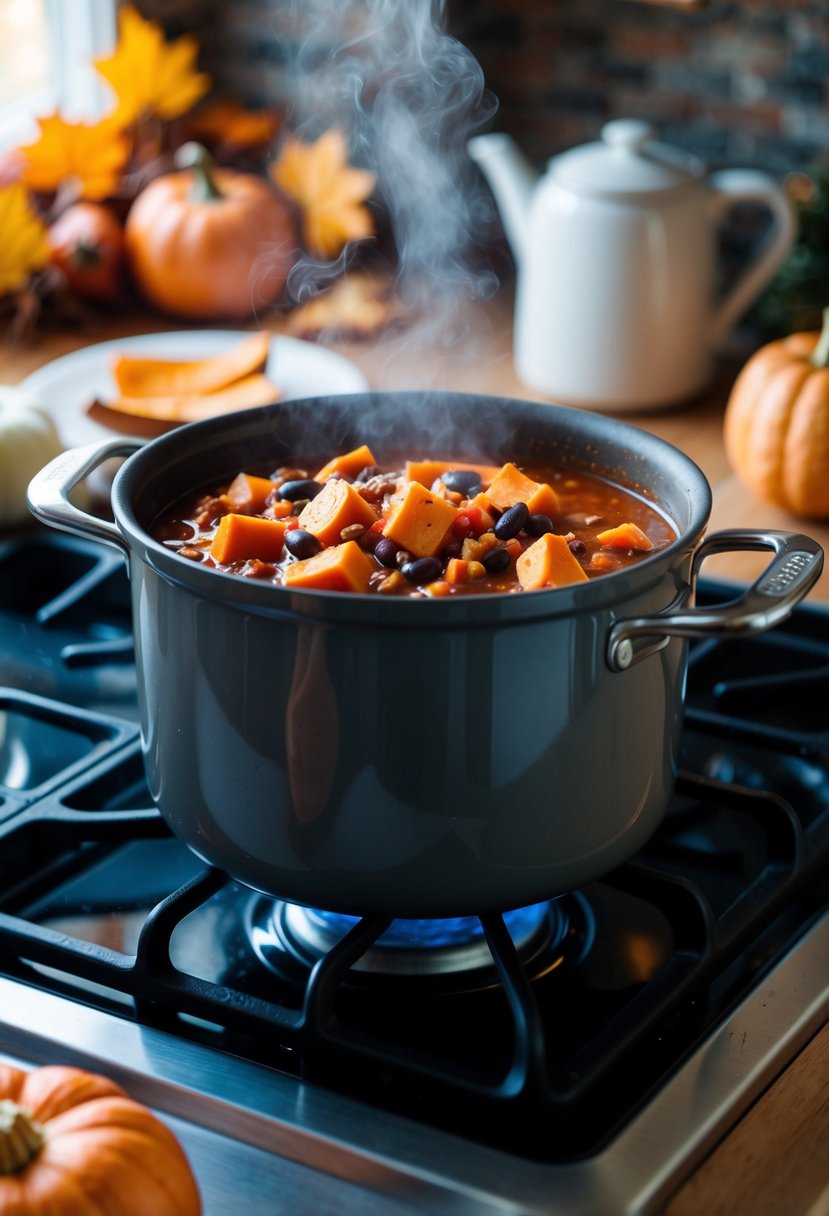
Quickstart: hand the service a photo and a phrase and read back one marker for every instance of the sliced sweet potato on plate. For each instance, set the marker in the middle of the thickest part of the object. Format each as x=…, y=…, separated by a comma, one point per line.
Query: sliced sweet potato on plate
x=137, y=376
x=151, y=416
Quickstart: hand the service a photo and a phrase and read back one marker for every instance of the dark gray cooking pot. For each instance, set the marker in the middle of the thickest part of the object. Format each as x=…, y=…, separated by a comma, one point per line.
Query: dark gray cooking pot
x=407, y=756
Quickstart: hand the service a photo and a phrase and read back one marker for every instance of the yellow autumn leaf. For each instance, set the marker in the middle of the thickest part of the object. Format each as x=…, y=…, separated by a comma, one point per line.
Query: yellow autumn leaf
x=92, y=155
x=328, y=191
x=24, y=242
x=149, y=74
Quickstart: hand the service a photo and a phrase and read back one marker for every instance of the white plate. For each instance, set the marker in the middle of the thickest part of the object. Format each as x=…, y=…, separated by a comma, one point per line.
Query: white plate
x=66, y=386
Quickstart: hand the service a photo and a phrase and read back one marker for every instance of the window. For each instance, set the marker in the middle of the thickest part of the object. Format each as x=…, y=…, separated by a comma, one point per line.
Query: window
x=46, y=53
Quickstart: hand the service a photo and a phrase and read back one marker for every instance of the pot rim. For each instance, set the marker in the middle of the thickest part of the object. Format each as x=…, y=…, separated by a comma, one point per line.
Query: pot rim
x=264, y=598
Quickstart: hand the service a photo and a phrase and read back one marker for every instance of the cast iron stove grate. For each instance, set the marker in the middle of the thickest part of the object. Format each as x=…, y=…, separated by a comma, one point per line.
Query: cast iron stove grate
x=545, y=1057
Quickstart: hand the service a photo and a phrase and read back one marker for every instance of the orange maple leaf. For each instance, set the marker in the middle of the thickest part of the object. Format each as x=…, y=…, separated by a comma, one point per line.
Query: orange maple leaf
x=149, y=74
x=358, y=306
x=229, y=122
x=92, y=155
x=329, y=192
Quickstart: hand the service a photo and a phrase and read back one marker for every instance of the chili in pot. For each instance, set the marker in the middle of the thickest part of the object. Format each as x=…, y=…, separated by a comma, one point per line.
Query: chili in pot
x=428, y=528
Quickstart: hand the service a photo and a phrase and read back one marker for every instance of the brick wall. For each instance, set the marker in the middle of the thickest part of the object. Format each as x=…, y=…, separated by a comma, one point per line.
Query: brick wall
x=738, y=83
x=742, y=83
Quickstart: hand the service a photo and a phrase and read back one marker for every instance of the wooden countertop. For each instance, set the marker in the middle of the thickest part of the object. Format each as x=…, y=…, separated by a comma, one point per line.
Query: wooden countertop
x=776, y=1161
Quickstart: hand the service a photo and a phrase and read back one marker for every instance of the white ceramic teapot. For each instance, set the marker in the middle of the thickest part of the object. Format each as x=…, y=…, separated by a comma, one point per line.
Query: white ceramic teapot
x=616, y=255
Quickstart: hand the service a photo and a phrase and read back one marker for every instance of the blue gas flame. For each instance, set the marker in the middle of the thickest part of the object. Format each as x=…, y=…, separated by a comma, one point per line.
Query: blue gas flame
x=437, y=934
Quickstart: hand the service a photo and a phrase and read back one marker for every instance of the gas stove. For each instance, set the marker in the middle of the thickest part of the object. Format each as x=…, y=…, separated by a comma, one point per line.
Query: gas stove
x=579, y=1056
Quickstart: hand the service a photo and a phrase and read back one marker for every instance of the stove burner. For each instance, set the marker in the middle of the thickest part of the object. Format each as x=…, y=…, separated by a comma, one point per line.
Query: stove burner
x=283, y=931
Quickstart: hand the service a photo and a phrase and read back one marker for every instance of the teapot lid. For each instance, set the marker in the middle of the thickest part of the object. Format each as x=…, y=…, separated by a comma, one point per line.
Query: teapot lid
x=627, y=160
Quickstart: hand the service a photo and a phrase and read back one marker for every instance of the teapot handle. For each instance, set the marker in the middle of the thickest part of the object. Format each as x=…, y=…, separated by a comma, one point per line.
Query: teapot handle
x=736, y=185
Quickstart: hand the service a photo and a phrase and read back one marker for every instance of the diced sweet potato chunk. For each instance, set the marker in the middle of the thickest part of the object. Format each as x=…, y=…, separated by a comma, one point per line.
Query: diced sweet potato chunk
x=625, y=536
x=419, y=521
x=248, y=493
x=604, y=562
x=511, y=486
x=340, y=568
x=544, y=501
x=548, y=562
x=428, y=471
x=337, y=506
x=457, y=570
x=240, y=537
x=349, y=464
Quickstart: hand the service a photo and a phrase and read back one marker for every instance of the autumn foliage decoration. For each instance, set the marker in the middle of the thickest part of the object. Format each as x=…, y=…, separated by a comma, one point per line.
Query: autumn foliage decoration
x=87, y=159
x=150, y=76
x=152, y=81
x=25, y=244
x=330, y=194
x=158, y=103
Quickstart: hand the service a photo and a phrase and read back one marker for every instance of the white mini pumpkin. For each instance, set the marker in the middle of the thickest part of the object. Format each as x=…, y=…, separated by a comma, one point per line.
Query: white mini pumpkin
x=28, y=441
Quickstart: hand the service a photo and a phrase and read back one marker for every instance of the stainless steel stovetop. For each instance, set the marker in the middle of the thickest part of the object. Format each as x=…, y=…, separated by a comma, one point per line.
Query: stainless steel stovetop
x=617, y=1034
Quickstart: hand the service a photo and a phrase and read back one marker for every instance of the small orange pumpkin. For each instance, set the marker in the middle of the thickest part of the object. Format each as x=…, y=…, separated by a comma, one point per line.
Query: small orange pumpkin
x=208, y=242
x=776, y=427
x=73, y=1144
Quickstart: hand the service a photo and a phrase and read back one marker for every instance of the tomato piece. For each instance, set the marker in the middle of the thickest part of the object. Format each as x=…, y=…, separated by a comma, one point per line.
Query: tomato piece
x=470, y=520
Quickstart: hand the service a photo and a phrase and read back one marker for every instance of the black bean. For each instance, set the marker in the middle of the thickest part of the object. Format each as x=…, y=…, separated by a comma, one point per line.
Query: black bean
x=295, y=490
x=538, y=525
x=512, y=521
x=386, y=552
x=451, y=550
x=496, y=560
x=577, y=547
x=301, y=544
x=462, y=481
x=422, y=570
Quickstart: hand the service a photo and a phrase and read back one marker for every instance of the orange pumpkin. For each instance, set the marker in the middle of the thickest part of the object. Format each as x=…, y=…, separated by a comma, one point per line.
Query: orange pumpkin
x=73, y=1144
x=776, y=428
x=207, y=242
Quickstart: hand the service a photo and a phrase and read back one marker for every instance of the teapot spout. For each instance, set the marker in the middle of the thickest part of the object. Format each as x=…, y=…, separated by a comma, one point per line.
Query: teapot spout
x=512, y=180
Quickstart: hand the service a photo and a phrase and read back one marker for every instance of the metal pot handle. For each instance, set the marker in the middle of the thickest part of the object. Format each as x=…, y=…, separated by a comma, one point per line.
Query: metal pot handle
x=49, y=490
x=795, y=568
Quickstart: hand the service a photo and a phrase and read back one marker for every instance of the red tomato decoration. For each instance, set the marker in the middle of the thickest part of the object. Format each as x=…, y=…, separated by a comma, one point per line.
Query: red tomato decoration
x=88, y=245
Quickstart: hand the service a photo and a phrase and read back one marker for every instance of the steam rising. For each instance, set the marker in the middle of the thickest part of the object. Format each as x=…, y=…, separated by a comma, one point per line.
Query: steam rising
x=408, y=97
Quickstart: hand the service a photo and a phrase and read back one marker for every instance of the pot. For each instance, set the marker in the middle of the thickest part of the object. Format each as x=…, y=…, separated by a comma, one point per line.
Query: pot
x=412, y=757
